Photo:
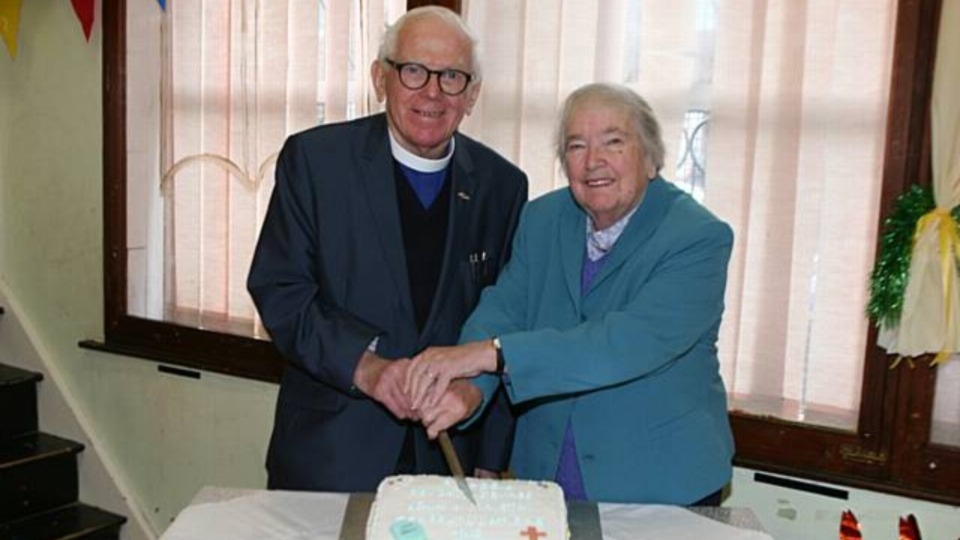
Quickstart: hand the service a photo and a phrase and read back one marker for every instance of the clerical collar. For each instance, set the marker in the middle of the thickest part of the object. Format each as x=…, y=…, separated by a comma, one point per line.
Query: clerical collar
x=416, y=162
x=599, y=243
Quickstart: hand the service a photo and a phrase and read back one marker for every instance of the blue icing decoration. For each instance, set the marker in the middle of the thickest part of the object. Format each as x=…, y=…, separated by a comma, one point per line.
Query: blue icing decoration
x=404, y=529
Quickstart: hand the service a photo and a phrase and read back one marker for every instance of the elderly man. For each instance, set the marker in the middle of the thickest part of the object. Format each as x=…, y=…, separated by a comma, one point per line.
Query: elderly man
x=604, y=324
x=379, y=236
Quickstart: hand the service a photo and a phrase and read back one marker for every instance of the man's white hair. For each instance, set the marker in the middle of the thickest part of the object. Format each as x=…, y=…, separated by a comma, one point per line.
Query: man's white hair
x=388, y=47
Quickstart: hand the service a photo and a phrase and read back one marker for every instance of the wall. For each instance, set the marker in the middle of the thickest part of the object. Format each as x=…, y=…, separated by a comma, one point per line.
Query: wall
x=163, y=436
x=790, y=514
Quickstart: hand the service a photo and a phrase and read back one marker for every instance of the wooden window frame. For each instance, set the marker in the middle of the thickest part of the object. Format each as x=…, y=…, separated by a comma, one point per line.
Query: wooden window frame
x=890, y=451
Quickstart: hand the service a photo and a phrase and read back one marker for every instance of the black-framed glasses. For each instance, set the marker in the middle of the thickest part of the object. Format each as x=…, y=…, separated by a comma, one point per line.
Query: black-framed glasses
x=414, y=76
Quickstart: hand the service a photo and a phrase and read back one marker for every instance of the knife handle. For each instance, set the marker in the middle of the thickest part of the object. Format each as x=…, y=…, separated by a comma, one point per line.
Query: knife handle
x=450, y=454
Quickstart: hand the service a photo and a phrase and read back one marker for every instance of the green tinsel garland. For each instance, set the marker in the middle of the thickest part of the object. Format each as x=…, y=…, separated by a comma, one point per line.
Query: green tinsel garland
x=888, y=282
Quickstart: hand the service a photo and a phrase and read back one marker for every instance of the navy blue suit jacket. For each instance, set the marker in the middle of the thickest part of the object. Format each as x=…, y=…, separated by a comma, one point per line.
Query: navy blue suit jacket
x=329, y=275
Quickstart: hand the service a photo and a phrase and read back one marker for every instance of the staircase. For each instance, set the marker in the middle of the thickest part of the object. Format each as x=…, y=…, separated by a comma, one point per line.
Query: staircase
x=38, y=473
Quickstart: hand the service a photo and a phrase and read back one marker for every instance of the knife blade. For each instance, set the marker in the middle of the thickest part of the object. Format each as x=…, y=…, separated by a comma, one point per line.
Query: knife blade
x=450, y=454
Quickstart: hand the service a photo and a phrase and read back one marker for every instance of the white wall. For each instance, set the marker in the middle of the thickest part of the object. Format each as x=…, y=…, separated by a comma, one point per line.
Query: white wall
x=790, y=514
x=167, y=436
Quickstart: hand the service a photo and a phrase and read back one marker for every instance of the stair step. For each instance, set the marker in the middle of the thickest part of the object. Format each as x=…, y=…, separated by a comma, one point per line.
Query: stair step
x=14, y=375
x=74, y=522
x=33, y=447
x=38, y=472
x=18, y=392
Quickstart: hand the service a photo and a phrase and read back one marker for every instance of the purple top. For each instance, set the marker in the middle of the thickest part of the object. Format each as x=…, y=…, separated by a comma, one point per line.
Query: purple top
x=568, y=470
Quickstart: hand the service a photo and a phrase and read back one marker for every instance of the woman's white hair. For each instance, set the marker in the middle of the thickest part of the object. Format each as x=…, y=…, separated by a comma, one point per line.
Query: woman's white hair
x=617, y=96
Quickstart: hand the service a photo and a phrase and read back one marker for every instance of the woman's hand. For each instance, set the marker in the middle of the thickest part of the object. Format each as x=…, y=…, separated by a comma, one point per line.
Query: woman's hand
x=432, y=371
x=456, y=404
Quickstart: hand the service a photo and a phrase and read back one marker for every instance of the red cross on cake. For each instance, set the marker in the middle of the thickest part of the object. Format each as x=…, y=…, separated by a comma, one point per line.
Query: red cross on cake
x=532, y=533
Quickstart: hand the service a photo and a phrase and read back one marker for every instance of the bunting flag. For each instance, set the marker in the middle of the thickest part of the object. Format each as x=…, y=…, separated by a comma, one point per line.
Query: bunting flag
x=84, y=10
x=909, y=529
x=163, y=4
x=10, y=24
x=849, y=526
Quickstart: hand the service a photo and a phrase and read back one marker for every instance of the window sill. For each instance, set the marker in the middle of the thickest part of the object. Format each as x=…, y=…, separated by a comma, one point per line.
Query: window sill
x=238, y=357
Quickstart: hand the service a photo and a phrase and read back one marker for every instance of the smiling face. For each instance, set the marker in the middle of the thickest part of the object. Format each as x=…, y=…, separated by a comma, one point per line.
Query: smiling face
x=605, y=161
x=424, y=120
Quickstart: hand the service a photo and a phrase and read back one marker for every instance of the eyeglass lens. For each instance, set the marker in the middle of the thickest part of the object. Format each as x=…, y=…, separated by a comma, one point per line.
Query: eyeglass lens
x=415, y=76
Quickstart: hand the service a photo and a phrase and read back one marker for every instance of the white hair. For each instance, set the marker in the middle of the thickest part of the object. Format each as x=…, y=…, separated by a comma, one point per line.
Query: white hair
x=388, y=47
x=614, y=95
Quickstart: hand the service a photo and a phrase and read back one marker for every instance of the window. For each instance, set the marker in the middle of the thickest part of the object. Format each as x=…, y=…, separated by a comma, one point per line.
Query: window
x=785, y=121
x=766, y=93
x=868, y=425
x=212, y=90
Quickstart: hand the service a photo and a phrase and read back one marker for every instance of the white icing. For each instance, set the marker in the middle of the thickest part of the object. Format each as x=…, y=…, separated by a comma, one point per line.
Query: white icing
x=505, y=509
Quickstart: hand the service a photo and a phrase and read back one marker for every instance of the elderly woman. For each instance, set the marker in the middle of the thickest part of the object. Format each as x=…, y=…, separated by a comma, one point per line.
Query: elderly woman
x=603, y=326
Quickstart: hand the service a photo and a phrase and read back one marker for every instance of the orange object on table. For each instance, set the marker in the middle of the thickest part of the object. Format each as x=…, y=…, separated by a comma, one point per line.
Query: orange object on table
x=849, y=526
x=909, y=530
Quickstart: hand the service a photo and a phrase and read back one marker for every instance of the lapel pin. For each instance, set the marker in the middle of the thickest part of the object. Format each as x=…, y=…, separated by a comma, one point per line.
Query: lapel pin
x=463, y=196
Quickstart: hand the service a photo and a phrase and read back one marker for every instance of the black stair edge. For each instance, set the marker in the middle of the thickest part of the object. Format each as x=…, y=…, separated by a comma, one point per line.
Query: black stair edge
x=35, y=446
x=73, y=521
x=14, y=375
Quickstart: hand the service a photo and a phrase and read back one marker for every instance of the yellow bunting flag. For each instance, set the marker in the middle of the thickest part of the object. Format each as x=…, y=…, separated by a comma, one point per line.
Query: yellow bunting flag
x=10, y=24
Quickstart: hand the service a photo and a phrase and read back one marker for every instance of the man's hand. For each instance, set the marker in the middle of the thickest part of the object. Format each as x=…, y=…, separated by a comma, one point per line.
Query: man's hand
x=383, y=380
x=434, y=369
x=459, y=402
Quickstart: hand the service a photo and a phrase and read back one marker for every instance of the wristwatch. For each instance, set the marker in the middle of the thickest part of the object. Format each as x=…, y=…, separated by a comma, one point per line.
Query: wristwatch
x=500, y=363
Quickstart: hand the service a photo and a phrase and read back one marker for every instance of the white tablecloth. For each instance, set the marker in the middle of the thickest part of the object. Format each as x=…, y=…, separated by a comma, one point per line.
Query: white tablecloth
x=219, y=513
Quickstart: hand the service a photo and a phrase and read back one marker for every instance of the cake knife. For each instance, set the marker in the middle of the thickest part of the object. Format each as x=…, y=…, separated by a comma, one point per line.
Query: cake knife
x=450, y=454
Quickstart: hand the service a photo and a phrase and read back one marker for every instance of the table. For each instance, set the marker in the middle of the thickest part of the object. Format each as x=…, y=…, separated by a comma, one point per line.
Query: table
x=240, y=514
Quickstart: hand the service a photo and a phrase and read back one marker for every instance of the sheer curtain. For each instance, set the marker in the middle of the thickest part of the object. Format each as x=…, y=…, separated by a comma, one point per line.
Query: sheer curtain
x=228, y=80
x=781, y=108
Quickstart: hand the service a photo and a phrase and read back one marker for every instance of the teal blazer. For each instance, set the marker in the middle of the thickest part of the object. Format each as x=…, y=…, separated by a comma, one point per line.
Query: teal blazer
x=632, y=363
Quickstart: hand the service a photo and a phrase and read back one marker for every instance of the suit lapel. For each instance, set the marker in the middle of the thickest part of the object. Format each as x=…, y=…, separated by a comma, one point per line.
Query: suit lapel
x=462, y=215
x=377, y=179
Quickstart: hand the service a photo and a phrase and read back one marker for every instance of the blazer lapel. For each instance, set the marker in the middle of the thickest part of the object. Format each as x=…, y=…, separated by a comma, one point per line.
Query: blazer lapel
x=461, y=217
x=572, y=236
x=377, y=178
x=642, y=225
